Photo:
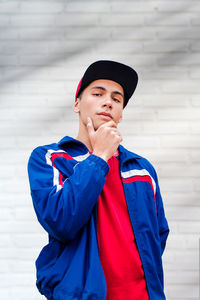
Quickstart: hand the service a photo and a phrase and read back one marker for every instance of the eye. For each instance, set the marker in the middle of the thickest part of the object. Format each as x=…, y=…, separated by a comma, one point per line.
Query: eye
x=96, y=94
x=116, y=99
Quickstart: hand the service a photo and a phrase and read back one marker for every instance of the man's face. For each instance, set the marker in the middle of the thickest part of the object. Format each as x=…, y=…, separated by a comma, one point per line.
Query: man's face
x=102, y=101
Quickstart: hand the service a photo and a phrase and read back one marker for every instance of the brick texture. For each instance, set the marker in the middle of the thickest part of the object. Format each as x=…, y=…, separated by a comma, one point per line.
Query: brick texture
x=45, y=47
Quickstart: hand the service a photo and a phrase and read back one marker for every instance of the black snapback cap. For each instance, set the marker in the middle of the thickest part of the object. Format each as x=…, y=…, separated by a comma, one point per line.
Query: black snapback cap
x=106, y=69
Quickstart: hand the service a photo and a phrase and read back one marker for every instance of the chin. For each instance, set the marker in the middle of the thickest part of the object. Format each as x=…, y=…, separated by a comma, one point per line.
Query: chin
x=98, y=124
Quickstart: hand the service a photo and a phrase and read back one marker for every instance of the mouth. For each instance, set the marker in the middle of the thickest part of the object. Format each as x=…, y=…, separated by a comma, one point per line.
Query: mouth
x=105, y=115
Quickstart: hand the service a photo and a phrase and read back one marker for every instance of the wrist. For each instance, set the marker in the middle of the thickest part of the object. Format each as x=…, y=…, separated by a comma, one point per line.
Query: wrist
x=101, y=155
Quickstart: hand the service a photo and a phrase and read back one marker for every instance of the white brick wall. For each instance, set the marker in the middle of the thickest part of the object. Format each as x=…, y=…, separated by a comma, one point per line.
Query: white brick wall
x=45, y=47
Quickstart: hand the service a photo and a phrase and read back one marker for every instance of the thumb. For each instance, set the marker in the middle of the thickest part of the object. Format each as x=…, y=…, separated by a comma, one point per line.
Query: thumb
x=90, y=126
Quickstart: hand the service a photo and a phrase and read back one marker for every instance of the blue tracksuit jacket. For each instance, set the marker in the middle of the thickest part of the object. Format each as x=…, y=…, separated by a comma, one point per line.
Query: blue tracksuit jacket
x=66, y=181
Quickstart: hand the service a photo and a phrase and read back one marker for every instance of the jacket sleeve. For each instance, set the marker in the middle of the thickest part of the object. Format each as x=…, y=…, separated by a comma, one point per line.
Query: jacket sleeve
x=162, y=221
x=63, y=211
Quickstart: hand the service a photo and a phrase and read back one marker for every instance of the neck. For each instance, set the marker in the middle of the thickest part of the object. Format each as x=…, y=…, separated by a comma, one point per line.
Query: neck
x=84, y=137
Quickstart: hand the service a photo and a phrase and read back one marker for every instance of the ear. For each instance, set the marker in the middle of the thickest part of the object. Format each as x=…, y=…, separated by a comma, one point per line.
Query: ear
x=76, y=106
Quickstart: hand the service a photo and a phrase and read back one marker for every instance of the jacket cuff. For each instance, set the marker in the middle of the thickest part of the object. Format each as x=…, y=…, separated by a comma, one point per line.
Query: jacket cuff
x=100, y=161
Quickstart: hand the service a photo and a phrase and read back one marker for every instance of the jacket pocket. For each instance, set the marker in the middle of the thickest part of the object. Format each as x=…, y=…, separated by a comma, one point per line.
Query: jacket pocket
x=52, y=263
x=72, y=270
x=152, y=263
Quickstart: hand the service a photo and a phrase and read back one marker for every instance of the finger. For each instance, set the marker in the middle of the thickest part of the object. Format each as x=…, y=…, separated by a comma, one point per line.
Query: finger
x=117, y=134
x=110, y=123
x=90, y=126
x=114, y=130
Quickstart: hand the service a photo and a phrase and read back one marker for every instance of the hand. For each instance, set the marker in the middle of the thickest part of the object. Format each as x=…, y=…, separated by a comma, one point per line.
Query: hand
x=105, y=140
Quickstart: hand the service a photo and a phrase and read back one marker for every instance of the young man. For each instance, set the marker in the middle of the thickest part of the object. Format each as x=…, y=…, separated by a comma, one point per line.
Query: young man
x=99, y=203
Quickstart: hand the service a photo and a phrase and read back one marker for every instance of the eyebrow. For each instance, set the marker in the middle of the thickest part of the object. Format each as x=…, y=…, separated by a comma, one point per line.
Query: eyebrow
x=103, y=89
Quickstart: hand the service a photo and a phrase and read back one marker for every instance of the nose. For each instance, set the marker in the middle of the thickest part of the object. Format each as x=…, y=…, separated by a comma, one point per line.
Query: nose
x=107, y=102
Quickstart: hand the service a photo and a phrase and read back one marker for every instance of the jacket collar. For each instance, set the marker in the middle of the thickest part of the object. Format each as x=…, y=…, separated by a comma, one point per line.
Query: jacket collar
x=125, y=155
x=67, y=139
x=73, y=143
